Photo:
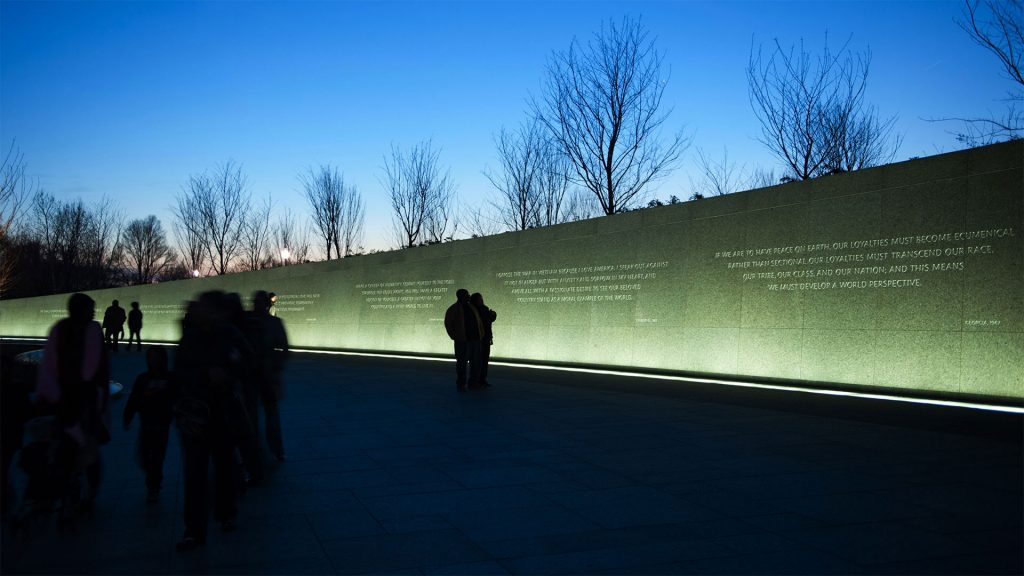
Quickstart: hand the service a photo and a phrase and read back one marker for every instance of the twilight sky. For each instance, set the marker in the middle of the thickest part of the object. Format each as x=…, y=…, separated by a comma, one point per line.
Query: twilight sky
x=126, y=99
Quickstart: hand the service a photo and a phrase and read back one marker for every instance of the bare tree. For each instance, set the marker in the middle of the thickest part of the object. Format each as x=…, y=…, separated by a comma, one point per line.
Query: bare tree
x=602, y=105
x=58, y=228
x=257, y=237
x=534, y=179
x=409, y=204
x=292, y=239
x=102, y=249
x=325, y=191
x=14, y=192
x=480, y=221
x=337, y=210
x=862, y=140
x=518, y=203
x=812, y=111
x=190, y=235
x=997, y=26
x=79, y=246
x=224, y=215
x=442, y=222
x=353, y=223
x=44, y=228
x=716, y=178
x=146, y=251
x=559, y=201
x=422, y=196
x=220, y=201
x=580, y=204
x=762, y=178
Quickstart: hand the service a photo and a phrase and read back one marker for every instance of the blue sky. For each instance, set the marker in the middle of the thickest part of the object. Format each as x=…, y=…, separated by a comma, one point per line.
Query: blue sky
x=126, y=99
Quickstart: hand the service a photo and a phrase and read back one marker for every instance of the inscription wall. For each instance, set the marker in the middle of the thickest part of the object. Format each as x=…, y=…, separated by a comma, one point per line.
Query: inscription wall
x=904, y=276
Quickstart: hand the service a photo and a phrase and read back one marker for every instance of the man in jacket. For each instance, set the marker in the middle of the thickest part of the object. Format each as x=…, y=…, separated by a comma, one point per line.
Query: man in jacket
x=465, y=328
x=113, y=324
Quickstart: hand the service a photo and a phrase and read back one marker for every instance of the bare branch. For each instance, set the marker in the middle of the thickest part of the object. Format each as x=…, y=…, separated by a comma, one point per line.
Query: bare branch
x=518, y=204
x=15, y=191
x=997, y=26
x=716, y=178
x=812, y=111
x=256, y=237
x=145, y=250
x=601, y=104
x=292, y=239
x=422, y=197
x=211, y=211
x=188, y=228
x=481, y=222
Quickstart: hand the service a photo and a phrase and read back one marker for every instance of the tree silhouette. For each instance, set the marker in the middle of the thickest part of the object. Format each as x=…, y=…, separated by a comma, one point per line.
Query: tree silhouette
x=292, y=239
x=211, y=212
x=422, y=196
x=997, y=26
x=256, y=237
x=533, y=182
x=78, y=245
x=601, y=103
x=812, y=111
x=145, y=249
x=14, y=193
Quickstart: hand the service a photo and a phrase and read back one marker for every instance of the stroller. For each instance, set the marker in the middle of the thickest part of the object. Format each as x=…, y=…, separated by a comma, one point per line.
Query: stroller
x=53, y=464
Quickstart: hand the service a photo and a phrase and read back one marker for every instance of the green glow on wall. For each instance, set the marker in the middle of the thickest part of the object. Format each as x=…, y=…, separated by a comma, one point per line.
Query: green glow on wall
x=905, y=276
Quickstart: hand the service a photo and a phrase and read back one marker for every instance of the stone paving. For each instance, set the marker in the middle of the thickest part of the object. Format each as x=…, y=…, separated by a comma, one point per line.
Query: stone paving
x=390, y=471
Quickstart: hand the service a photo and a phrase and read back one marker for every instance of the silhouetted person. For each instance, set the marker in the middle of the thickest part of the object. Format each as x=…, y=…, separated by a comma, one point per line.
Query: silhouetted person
x=270, y=348
x=152, y=398
x=209, y=357
x=113, y=324
x=135, y=326
x=74, y=376
x=465, y=328
x=487, y=317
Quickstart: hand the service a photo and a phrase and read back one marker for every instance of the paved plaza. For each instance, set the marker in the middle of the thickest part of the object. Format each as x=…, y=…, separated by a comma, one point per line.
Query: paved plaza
x=391, y=471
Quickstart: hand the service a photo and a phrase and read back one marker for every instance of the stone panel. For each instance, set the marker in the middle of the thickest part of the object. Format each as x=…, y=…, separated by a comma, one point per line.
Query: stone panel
x=909, y=276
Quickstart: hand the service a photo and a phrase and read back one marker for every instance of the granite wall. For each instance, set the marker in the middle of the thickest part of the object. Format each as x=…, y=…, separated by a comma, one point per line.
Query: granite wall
x=906, y=276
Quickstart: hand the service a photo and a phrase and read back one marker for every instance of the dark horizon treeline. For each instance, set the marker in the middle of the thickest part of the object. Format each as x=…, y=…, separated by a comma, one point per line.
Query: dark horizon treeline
x=68, y=246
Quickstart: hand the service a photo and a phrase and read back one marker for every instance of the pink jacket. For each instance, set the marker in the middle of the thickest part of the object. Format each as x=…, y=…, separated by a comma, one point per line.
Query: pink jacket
x=47, y=386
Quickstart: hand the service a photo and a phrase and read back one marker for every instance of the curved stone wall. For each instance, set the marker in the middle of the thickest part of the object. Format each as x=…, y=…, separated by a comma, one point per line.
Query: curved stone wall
x=907, y=276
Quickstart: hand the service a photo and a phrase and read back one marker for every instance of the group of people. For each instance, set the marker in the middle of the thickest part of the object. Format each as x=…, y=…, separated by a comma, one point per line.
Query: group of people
x=227, y=363
x=113, y=325
x=469, y=324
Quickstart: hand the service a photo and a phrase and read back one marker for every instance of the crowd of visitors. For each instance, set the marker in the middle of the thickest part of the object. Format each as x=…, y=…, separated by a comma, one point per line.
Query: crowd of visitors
x=227, y=364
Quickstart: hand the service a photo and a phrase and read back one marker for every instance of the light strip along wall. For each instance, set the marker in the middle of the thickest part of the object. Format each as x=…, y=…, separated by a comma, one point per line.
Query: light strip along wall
x=906, y=276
